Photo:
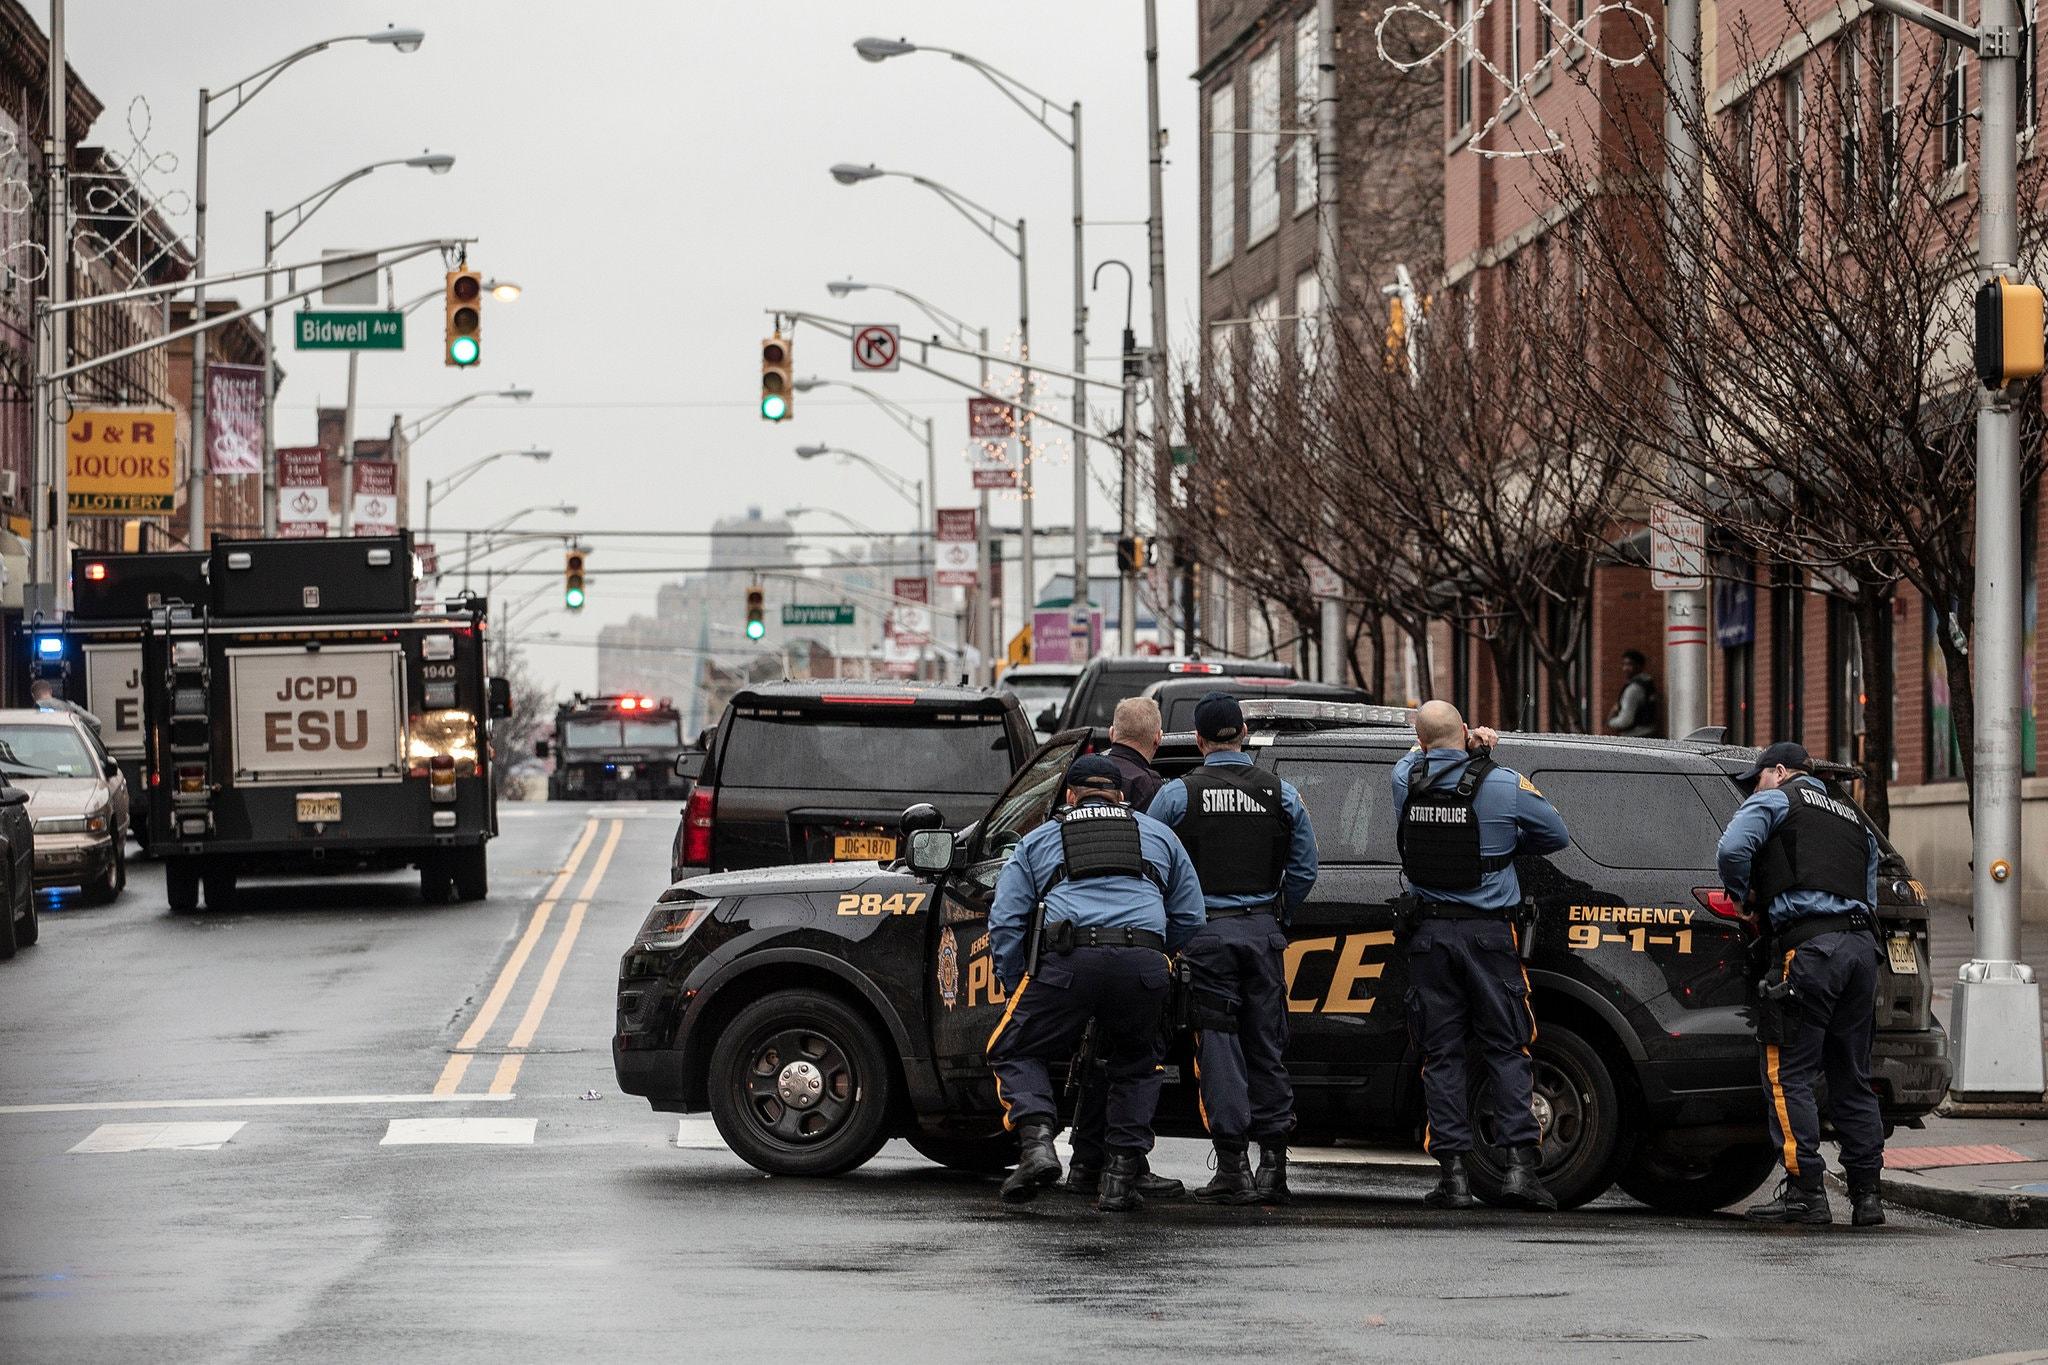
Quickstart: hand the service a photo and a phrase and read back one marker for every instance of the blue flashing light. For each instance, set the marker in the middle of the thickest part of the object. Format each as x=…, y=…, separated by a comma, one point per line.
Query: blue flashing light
x=49, y=646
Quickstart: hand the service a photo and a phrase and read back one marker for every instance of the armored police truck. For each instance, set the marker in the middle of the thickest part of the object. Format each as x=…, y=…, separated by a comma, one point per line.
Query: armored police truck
x=307, y=717
x=615, y=747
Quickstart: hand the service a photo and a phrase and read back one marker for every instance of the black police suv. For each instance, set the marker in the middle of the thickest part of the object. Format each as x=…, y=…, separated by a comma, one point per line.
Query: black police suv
x=1178, y=697
x=876, y=981
x=1108, y=678
x=811, y=772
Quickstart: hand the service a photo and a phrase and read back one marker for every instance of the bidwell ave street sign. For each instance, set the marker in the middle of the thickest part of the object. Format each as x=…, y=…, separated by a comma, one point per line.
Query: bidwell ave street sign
x=316, y=330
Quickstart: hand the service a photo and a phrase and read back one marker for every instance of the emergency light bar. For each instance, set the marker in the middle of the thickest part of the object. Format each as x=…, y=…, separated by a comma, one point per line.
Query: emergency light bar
x=1282, y=713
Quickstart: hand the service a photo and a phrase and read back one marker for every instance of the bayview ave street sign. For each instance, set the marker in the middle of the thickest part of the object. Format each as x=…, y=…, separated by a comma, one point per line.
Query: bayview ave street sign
x=380, y=330
x=797, y=614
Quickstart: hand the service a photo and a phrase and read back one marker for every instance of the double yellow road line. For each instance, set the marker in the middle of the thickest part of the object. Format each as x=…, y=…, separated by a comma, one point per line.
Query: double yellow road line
x=550, y=976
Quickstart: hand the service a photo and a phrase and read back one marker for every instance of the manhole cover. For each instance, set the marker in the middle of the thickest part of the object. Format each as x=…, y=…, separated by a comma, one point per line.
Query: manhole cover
x=2022, y=1260
x=1618, y=1337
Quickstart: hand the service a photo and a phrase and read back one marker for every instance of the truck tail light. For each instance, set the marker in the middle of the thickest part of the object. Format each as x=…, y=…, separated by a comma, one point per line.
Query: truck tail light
x=697, y=827
x=1717, y=901
x=441, y=778
x=191, y=779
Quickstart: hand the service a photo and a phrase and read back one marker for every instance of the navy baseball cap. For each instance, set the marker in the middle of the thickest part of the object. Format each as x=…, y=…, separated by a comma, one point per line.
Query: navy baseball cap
x=1096, y=773
x=1219, y=717
x=1785, y=752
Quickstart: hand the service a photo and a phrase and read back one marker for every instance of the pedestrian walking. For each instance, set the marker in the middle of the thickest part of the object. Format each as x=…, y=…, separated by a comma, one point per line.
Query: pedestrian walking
x=1805, y=862
x=1255, y=852
x=1637, y=711
x=1084, y=914
x=1462, y=821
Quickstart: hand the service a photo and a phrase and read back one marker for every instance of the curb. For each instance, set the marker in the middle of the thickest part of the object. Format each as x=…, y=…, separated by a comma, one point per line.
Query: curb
x=1984, y=1208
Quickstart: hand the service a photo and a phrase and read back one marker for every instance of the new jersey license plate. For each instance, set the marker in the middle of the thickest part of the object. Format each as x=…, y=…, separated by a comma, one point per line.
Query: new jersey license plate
x=319, y=808
x=862, y=848
x=1904, y=961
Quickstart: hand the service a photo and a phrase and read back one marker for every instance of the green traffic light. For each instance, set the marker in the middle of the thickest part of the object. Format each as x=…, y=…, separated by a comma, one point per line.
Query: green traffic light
x=774, y=406
x=463, y=350
x=755, y=630
x=572, y=598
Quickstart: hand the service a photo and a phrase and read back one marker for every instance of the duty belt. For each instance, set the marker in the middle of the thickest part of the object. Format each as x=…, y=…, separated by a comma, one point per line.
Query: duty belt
x=1064, y=936
x=1233, y=911
x=1813, y=926
x=1453, y=910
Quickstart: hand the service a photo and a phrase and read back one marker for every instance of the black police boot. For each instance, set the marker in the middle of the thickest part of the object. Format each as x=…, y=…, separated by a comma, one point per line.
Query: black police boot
x=1795, y=1204
x=1082, y=1178
x=1038, y=1165
x=1866, y=1210
x=1454, y=1188
x=1271, y=1181
x=1155, y=1186
x=1120, y=1184
x=1232, y=1183
x=1520, y=1188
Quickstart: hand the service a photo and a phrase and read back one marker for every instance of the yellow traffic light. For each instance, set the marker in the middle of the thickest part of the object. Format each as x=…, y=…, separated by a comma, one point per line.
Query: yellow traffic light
x=1397, y=329
x=573, y=595
x=2010, y=332
x=463, y=340
x=778, y=376
x=1132, y=554
x=757, y=625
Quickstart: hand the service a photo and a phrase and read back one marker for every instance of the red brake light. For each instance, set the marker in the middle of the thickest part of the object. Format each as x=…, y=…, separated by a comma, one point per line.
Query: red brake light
x=1717, y=901
x=95, y=571
x=627, y=704
x=1194, y=668
x=697, y=827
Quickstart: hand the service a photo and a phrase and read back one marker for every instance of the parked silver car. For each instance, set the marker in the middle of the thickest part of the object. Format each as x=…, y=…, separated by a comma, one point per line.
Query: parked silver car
x=77, y=798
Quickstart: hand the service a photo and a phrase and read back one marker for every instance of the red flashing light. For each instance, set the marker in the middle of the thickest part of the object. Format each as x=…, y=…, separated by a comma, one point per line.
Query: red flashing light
x=95, y=571
x=627, y=703
x=1194, y=668
x=1717, y=901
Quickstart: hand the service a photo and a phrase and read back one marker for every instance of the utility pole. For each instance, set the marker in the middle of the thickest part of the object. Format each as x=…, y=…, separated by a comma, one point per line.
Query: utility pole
x=1155, y=251
x=52, y=512
x=1077, y=613
x=988, y=628
x=1127, y=587
x=1685, y=612
x=270, y=385
x=1329, y=267
x=348, y=451
x=202, y=347
x=1027, y=471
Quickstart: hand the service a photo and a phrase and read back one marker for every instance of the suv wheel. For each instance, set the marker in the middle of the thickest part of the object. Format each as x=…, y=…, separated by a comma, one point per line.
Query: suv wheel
x=29, y=927
x=181, y=883
x=800, y=1085
x=1690, y=1182
x=982, y=1155
x=1579, y=1110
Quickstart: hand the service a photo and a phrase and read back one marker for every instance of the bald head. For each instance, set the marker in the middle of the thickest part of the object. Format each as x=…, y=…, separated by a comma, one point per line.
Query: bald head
x=1136, y=725
x=1439, y=726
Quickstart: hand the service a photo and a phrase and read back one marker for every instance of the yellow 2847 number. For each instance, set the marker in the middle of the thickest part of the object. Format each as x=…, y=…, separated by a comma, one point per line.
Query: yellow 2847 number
x=874, y=903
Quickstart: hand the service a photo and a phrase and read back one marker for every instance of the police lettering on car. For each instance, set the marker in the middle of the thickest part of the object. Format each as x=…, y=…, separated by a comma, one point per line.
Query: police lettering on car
x=1462, y=821
x=1806, y=863
x=1255, y=852
x=1084, y=914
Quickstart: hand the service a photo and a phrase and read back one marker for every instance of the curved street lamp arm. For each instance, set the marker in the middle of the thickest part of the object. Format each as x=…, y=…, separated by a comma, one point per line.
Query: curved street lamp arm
x=1016, y=92
x=317, y=200
x=905, y=489
x=422, y=425
x=974, y=213
x=261, y=79
x=962, y=334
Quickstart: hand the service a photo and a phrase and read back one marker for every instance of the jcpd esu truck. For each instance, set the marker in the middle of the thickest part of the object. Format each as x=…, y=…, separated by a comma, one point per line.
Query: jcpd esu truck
x=307, y=717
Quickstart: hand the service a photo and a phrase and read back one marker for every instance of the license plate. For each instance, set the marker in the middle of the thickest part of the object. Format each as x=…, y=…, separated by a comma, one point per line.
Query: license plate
x=863, y=848
x=319, y=808
x=1904, y=962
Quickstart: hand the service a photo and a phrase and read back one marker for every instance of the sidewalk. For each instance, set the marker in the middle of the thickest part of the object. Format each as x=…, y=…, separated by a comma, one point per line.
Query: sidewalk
x=1979, y=1164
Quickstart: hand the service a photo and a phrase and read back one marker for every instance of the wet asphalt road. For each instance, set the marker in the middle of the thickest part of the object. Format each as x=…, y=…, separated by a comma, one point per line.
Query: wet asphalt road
x=598, y=1230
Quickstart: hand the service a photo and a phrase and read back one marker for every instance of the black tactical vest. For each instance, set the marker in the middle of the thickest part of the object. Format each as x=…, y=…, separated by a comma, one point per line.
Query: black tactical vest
x=1820, y=845
x=1439, y=831
x=1100, y=839
x=1236, y=830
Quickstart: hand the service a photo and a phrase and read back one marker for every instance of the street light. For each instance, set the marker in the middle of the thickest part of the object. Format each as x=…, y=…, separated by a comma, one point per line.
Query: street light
x=422, y=425
x=469, y=551
x=505, y=291
x=910, y=490
x=962, y=335
x=437, y=163
x=464, y=474
x=1024, y=97
x=244, y=90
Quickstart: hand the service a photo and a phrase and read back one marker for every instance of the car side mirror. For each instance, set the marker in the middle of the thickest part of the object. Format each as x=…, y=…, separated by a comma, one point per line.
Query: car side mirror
x=501, y=698
x=1048, y=719
x=13, y=796
x=109, y=768
x=690, y=764
x=931, y=852
x=540, y=748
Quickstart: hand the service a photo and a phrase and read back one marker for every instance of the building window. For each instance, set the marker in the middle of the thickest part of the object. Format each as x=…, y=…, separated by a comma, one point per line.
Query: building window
x=1955, y=98
x=1222, y=336
x=1849, y=79
x=1546, y=33
x=1461, y=103
x=1944, y=754
x=1845, y=683
x=1577, y=46
x=1262, y=117
x=1891, y=104
x=1222, y=176
x=1514, y=42
x=1735, y=634
x=1793, y=170
x=1307, y=82
x=1265, y=338
x=1308, y=305
x=1788, y=657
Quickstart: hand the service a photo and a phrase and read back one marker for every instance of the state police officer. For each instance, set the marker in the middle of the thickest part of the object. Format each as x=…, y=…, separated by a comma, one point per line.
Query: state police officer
x=1807, y=863
x=1255, y=852
x=1114, y=893
x=1462, y=820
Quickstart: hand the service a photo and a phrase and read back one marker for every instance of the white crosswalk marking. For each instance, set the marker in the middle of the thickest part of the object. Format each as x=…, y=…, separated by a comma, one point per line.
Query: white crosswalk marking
x=427, y=1132
x=158, y=1137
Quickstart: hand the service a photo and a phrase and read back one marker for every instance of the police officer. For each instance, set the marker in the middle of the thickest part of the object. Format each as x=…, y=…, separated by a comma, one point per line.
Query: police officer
x=1114, y=893
x=1255, y=852
x=1807, y=863
x=1462, y=821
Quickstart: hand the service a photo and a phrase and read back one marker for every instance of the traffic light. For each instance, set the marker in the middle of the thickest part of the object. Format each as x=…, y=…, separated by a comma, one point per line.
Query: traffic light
x=465, y=332
x=756, y=625
x=778, y=370
x=1132, y=554
x=572, y=580
x=2009, y=332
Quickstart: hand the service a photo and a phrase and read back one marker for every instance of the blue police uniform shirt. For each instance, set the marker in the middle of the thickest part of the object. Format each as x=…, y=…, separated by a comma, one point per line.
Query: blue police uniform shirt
x=1513, y=818
x=1170, y=807
x=1100, y=902
x=1744, y=839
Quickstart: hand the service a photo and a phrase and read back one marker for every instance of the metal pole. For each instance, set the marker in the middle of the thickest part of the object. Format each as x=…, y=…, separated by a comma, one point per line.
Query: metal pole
x=1077, y=613
x=1329, y=268
x=991, y=624
x=58, y=170
x=348, y=450
x=1334, y=660
x=1685, y=613
x=269, y=387
x=202, y=347
x=1155, y=250
x=1997, y=1000
x=931, y=505
x=1127, y=586
x=1028, y=563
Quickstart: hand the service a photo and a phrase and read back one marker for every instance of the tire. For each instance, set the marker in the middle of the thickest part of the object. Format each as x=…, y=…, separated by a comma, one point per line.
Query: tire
x=1580, y=1111
x=1695, y=1183
x=983, y=1155
x=10, y=932
x=108, y=888
x=219, y=881
x=836, y=1132
x=471, y=868
x=29, y=927
x=436, y=884
x=181, y=884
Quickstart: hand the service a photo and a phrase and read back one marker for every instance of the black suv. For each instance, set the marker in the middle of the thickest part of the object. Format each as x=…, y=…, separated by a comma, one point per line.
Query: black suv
x=812, y=772
x=1177, y=697
x=880, y=978
x=1108, y=679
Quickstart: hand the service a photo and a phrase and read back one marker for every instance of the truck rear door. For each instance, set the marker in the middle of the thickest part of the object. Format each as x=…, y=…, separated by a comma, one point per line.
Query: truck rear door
x=317, y=712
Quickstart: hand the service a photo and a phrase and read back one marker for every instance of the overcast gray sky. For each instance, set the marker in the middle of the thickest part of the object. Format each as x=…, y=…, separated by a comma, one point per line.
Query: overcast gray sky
x=655, y=175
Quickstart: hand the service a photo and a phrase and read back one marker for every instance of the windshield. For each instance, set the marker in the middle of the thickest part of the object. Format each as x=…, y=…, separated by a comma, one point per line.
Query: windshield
x=590, y=734
x=1022, y=809
x=654, y=734
x=1035, y=696
x=45, y=751
x=898, y=753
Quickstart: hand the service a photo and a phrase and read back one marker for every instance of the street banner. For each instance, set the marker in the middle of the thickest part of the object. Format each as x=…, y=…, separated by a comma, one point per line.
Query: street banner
x=956, y=557
x=1678, y=550
x=1051, y=641
x=374, y=510
x=899, y=656
x=234, y=419
x=302, y=500
x=911, y=621
x=429, y=557
x=123, y=462
x=995, y=453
